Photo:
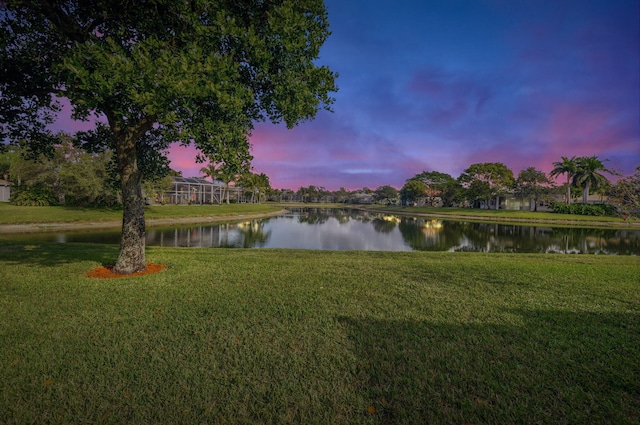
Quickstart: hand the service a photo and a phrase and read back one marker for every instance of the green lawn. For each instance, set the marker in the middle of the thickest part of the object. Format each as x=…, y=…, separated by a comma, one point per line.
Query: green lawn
x=11, y=214
x=304, y=337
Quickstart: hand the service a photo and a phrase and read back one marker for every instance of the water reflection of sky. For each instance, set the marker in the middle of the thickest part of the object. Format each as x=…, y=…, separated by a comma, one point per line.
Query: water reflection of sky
x=333, y=235
x=342, y=229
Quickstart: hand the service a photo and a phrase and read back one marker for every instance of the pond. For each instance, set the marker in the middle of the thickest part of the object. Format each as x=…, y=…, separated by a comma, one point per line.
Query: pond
x=344, y=229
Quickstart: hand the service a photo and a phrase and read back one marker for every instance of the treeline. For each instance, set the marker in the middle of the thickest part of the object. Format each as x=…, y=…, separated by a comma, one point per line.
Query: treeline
x=484, y=185
x=68, y=175
x=72, y=176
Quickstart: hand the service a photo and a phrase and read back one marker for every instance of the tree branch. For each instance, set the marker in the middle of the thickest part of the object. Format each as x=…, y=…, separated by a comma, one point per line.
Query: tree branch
x=65, y=23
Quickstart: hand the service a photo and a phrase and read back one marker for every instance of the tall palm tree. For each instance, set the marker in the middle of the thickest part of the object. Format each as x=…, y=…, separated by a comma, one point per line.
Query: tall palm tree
x=587, y=175
x=569, y=167
x=227, y=175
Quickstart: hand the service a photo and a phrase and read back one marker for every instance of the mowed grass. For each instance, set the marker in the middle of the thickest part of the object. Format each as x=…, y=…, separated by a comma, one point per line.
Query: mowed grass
x=312, y=337
x=12, y=214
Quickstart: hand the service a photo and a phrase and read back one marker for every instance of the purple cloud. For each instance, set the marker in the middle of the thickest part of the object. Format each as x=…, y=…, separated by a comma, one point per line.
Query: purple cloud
x=443, y=84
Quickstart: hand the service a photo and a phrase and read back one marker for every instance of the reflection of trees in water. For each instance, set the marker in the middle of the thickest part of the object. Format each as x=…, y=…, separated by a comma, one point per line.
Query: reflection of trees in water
x=436, y=235
x=385, y=223
x=253, y=234
x=597, y=241
x=419, y=233
x=227, y=235
x=491, y=237
x=428, y=235
x=196, y=236
x=341, y=215
x=322, y=215
x=363, y=216
x=383, y=226
x=314, y=215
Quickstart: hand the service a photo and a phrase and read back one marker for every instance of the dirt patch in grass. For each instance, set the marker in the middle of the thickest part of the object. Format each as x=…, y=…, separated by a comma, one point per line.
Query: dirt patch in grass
x=106, y=272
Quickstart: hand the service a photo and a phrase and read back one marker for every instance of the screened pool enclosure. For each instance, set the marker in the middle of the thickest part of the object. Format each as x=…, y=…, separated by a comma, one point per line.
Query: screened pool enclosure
x=186, y=190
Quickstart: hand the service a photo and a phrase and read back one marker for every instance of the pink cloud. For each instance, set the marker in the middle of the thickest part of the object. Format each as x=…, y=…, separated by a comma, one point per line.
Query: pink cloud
x=183, y=159
x=586, y=130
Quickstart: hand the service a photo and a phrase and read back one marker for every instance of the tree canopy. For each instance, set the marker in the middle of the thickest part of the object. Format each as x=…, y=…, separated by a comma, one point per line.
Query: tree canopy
x=198, y=72
x=386, y=193
x=486, y=180
x=588, y=175
x=412, y=190
x=534, y=184
x=625, y=195
x=440, y=185
x=71, y=177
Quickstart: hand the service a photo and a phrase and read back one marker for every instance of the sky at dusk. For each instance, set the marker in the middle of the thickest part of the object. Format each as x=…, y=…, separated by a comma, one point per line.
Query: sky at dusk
x=441, y=84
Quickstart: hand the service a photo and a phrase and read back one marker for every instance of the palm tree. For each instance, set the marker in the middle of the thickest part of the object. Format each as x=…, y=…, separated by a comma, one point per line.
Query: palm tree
x=214, y=172
x=227, y=175
x=587, y=175
x=249, y=182
x=210, y=170
x=569, y=167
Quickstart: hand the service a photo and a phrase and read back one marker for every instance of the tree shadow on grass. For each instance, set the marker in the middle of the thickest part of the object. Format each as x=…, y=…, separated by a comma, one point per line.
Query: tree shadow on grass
x=52, y=254
x=556, y=367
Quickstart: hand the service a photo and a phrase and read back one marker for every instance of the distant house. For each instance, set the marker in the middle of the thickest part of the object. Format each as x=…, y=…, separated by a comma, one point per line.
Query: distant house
x=360, y=197
x=510, y=202
x=5, y=191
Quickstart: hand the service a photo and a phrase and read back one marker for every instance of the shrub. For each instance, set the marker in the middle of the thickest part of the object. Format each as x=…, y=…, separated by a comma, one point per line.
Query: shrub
x=34, y=197
x=583, y=209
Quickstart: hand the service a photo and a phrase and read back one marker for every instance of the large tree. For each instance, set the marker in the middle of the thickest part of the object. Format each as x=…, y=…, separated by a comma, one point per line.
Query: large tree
x=387, y=194
x=494, y=178
x=533, y=184
x=440, y=185
x=588, y=175
x=412, y=191
x=158, y=72
x=625, y=195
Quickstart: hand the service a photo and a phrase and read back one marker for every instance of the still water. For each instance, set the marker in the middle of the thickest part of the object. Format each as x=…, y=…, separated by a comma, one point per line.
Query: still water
x=343, y=229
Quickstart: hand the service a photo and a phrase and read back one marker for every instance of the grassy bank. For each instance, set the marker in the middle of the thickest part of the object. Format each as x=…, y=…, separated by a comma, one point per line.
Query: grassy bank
x=11, y=214
x=508, y=216
x=287, y=336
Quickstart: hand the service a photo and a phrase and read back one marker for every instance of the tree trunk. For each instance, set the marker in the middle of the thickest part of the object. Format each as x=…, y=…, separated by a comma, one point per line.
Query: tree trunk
x=585, y=193
x=132, y=242
x=568, y=191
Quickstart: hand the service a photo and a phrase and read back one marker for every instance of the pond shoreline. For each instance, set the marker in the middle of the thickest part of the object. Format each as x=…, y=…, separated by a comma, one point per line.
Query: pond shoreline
x=113, y=224
x=156, y=222
x=507, y=220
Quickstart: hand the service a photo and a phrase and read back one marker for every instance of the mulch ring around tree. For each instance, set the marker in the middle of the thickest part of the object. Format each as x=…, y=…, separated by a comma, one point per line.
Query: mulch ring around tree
x=106, y=272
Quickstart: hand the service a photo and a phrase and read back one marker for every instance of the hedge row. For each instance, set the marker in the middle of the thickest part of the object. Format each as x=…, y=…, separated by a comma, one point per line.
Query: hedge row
x=584, y=209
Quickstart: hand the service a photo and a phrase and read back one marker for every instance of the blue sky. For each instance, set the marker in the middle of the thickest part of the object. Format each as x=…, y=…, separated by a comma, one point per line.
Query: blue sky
x=439, y=85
